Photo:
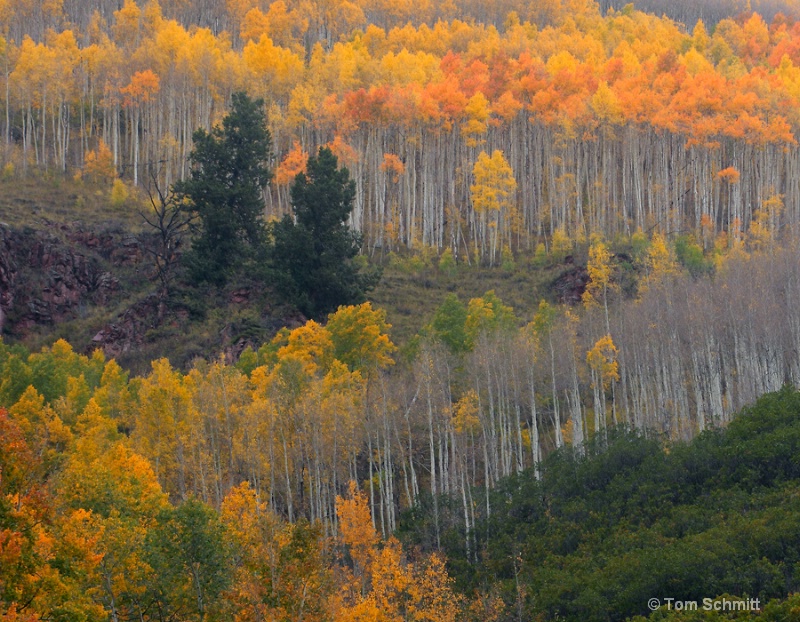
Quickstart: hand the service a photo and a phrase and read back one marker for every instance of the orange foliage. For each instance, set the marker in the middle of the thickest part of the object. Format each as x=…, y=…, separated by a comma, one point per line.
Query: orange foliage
x=507, y=106
x=739, y=83
x=394, y=165
x=99, y=165
x=142, y=88
x=730, y=175
x=293, y=163
x=382, y=585
x=343, y=152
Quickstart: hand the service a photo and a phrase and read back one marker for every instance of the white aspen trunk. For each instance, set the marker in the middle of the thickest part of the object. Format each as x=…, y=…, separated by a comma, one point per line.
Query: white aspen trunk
x=534, y=422
x=287, y=474
x=434, y=490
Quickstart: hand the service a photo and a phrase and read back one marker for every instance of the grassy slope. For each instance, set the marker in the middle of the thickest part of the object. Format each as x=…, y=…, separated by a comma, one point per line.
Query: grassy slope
x=412, y=288
x=29, y=201
x=410, y=291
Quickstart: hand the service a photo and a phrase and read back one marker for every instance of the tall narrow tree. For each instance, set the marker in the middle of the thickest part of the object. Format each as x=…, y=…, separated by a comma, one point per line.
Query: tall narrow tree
x=314, y=249
x=225, y=189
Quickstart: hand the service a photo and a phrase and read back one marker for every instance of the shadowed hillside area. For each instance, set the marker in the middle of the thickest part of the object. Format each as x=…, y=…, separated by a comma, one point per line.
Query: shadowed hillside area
x=603, y=529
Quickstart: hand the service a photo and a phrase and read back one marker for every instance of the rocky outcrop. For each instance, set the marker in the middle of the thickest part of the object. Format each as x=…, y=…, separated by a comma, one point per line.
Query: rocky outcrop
x=59, y=273
x=127, y=332
x=569, y=287
x=118, y=249
x=50, y=274
x=8, y=271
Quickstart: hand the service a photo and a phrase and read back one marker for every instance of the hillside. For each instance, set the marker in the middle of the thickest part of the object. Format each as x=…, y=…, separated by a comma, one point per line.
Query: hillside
x=110, y=505
x=78, y=266
x=595, y=537
x=358, y=311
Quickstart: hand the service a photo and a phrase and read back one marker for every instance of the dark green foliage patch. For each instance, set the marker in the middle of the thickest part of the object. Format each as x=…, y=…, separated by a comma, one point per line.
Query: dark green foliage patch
x=602, y=533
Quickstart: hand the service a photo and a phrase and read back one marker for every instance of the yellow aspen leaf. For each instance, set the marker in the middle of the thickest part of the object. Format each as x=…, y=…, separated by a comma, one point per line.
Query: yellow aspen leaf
x=600, y=271
x=274, y=71
x=766, y=223
x=477, y=116
x=287, y=27
x=696, y=63
x=562, y=61
x=487, y=314
x=606, y=105
x=360, y=337
x=99, y=164
x=254, y=25
x=659, y=262
x=128, y=24
x=465, y=413
x=433, y=597
x=560, y=243
x=494, y=182
x=237, y=9
x=311, y=344
x=700, y=38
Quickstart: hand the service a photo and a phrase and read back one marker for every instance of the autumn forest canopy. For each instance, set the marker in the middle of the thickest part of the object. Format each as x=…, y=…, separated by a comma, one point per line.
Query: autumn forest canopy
x=609, y=123
x=230, y=492
x=631, y=425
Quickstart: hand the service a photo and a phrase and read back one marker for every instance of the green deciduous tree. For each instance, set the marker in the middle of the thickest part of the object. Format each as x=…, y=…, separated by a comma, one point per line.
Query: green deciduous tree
x=314, y=251
x=449, y=324
x=360, y=339
x=225, y=190
x=486, y=315
x=189, y=552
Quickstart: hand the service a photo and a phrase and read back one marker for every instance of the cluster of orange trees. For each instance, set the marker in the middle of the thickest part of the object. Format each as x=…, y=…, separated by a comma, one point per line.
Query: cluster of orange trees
x=607, y=123
x=87, y=533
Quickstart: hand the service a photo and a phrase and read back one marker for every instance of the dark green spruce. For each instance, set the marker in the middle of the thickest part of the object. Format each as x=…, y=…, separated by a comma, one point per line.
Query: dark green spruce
x=229, y=173
x=314, y=250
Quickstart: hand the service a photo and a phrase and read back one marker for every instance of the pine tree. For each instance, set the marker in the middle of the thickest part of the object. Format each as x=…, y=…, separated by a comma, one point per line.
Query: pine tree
x=226, y=191
x=313, y=253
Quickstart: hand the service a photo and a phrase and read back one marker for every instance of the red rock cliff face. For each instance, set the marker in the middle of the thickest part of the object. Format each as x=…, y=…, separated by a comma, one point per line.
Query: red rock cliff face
x=51, y=275
x=58, y=273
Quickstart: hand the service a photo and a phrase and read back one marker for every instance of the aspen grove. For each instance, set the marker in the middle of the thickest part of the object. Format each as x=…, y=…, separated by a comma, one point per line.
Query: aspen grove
x=609, y=123
x=485, y=396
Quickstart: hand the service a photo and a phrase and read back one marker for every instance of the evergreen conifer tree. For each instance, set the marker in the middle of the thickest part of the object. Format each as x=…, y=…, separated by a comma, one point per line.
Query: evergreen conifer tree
x=314, y=250
x=229, y=173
